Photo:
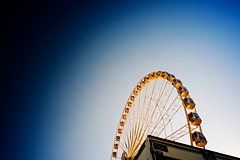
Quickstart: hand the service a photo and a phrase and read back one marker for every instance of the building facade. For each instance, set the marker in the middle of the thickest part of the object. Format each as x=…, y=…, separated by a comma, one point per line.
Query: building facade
x=155, y=148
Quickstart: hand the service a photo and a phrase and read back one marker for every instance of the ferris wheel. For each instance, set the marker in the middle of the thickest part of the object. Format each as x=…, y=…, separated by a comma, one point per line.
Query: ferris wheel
x=160, y=106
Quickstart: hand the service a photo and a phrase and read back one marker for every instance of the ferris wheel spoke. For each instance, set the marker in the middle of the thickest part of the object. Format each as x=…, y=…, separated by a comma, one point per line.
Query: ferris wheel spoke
x=169, y=95
x=141, y=123
x=169, y=119
x=152, y=115
x=157, y=101
x=124, y=148
x=125, y=139
x=127, y=135
x=163, y=102
x=131, y=119
x=126, y=131
x=139, y=118
x=133, y=137
x=161, y=92
x=162, y=116
x=180, y=133
x=137, y=148
x=150, y=101
x=135, y=131
x=152, y=110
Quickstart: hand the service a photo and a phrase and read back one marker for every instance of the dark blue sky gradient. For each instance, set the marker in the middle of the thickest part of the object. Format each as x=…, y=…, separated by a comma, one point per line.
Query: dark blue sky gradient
x=49, y=47
x=40, y=39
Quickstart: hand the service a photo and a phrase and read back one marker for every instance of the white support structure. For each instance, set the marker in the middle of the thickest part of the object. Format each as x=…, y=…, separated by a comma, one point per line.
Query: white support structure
x=155, y=148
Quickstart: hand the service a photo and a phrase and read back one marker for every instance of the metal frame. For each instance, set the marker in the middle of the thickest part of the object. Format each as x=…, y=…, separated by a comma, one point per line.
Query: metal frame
x=151, y=112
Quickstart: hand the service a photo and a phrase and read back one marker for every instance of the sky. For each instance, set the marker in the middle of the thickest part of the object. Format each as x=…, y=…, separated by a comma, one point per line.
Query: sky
x=69, y=68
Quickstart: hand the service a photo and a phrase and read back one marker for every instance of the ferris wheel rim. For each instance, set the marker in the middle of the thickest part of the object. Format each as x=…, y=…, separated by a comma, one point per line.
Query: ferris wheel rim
x=169, y=78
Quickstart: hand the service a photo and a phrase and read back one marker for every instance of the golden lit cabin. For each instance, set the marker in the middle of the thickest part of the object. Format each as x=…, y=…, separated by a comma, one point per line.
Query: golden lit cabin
x=143, y=83
x=165, y=75
x=117, y=138
x=194, y=118
x=177, y=83
x=189, y=103
x=120, y=130
x=151, y=76
x=122, y=123
x=146, y=79
x=132, y=98
x=199, y=139
x=126, y=110
x=124, y=116
x=129, y=104
x=183, y=91
x=135, y=92
x=172, y=77
x=155, y=75
x=114, y=154
x=159, y=74
x=139, y=88
x=116, y=146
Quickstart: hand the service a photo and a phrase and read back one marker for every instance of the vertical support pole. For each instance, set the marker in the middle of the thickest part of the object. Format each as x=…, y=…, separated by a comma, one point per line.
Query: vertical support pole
x=189, y=126
x=199, y=127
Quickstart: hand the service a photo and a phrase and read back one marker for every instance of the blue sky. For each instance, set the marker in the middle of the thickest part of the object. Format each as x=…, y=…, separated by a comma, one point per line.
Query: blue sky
x=77, y=69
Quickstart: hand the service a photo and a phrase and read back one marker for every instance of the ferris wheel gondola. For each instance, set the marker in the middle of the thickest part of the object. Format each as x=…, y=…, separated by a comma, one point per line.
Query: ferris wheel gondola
x=160, y=106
